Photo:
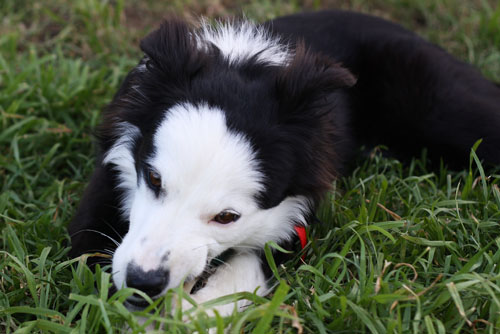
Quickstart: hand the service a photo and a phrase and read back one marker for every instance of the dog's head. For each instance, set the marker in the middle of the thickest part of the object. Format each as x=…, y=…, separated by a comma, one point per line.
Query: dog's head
x=221, y=138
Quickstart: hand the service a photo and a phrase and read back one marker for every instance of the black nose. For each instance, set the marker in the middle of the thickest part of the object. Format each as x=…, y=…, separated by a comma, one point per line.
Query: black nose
x=151, y=282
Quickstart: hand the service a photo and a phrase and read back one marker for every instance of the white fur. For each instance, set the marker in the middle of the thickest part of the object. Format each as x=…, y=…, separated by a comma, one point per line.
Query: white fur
x=243, y=272
x=239, y=41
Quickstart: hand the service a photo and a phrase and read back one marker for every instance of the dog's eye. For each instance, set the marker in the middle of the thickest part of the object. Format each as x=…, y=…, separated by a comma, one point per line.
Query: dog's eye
x=226, y=217
x=154, y=179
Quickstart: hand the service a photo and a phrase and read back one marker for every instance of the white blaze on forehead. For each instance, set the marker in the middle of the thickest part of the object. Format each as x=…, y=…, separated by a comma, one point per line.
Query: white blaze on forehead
x=198, y=156
x=240, y=41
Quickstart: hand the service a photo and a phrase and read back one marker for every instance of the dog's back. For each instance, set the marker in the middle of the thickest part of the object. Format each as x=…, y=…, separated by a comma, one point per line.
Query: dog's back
x=410, y=93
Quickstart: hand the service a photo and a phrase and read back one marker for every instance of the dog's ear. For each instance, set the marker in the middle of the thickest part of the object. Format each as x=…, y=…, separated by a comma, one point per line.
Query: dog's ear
x=172, y=48
x=309, y=77
x=311, y=108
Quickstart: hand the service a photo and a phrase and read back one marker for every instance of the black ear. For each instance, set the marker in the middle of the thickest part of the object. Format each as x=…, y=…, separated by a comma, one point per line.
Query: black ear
x=311, y=133
x=309, y=77
x=172, y=49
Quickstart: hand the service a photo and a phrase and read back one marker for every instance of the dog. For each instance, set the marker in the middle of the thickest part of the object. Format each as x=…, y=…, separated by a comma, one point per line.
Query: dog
x=225, y=137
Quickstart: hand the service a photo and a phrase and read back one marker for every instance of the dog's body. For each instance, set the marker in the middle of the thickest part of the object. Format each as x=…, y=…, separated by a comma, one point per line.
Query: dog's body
x=223, y=139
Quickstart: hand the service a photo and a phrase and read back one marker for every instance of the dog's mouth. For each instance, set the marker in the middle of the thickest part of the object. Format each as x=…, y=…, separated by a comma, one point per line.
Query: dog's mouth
x=191, y=286
x=211, y=267
x=136, y=303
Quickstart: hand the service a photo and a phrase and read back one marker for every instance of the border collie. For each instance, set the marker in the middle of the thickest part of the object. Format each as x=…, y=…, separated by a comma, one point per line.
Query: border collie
x=226, y=136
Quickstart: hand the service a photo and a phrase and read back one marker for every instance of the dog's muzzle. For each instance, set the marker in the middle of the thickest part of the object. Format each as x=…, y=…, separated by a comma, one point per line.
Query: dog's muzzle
x=154, y=282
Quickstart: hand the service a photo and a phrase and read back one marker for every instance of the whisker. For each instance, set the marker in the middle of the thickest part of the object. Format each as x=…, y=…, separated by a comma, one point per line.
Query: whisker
x=102, y=262
x=98, y=232
x=204, y=245
x=114, y=230
x=95, y=250
x=109, y=251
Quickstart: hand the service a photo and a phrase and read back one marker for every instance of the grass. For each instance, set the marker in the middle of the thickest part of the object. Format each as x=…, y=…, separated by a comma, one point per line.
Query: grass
x=402, y=249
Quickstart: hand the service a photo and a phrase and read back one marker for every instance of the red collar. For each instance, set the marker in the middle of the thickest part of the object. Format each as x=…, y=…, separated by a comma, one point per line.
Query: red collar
x=301, y=233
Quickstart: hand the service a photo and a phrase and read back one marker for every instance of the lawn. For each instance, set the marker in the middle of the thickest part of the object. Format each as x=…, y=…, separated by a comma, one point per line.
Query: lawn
x=401, y=248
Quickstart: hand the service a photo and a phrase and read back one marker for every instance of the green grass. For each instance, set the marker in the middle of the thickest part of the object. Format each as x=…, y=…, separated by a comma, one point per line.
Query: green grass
x=402, y=249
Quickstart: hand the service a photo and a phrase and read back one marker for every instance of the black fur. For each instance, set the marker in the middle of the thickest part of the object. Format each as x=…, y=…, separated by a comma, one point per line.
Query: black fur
x=354, y=80
x=410, y=93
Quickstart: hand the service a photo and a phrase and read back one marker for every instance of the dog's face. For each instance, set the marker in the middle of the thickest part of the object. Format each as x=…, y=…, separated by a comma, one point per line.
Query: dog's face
x=211, y=139
x=195, y=197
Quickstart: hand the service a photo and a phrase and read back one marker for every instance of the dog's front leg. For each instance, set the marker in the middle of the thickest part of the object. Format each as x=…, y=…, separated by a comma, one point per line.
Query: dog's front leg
x=243, y=272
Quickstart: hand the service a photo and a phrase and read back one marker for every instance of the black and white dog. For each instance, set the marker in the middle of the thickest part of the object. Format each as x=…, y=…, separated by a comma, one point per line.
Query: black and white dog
x=226, y=137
